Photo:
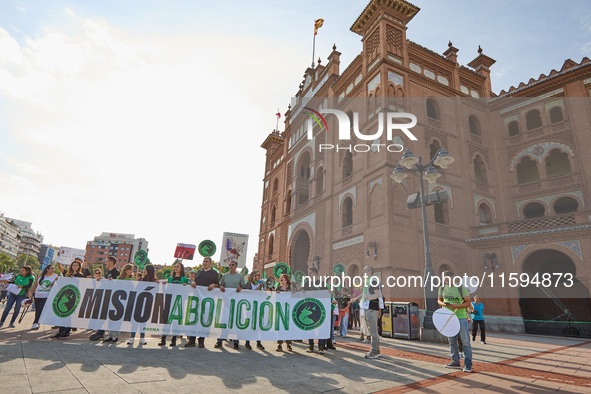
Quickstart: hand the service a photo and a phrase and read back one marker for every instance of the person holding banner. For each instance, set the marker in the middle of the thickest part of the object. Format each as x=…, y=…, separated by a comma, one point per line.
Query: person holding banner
x=285, y=285
x=179, y=278
x=208, y=277
x=231, y=280
x=41, y=290
x=126, y=274
x=22, y=284
x=111, y=274
x=74, y=271
x=457, y=299
x=149, y=276
x=253, y=283
x=312, y=272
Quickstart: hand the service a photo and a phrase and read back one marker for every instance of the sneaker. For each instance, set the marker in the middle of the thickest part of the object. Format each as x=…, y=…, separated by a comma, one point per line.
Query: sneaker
x=95, y=337
x=58, y=335
x=130, y=341
x=473, y=339
x=143, y=341
x=107, y=339
x=201, y=342
x=173, y=342
x=320, y=350
x=162, y=342
x=310, y=349
x=344, y=336
x=217, y=345
x=236, y=346
x=289, y=349
x=248, y=346
x=371, y=355
x=64, y=336
x=35, y=326
x=366, y=341
x=454, y=365
x=261, y=347
x=11, y=325
x=190, y=344
x=331, y=347
x=483, y=342
x=114, y=340
x=279, y=348
x=467, y=369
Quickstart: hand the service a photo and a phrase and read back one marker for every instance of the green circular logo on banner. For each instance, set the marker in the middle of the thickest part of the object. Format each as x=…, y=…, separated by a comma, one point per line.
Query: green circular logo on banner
x=281, y=269
x=338, y=269
x=206, y=248
x=65, y=301
x=308, y=314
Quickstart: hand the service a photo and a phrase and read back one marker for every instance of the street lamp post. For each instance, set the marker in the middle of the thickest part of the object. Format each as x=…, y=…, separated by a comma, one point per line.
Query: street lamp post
x=413, y=163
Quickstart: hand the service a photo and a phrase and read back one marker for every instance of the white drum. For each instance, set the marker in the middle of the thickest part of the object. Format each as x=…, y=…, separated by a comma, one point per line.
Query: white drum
x=446, y=322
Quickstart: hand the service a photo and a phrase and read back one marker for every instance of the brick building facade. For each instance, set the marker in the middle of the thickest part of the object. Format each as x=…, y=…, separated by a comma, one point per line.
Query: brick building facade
x=518, y=189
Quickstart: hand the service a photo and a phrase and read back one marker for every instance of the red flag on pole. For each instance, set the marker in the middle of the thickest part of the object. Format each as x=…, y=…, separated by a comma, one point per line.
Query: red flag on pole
x=317, y=24
x=278, y=115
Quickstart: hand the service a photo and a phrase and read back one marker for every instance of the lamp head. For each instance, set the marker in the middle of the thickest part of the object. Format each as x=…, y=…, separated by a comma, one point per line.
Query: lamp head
x=409, y=159
x=444, y=159
x=399, y=174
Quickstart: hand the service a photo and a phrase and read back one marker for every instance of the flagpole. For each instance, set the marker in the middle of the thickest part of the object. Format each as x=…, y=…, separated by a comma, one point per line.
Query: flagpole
x=313, y=49
x=277, y=125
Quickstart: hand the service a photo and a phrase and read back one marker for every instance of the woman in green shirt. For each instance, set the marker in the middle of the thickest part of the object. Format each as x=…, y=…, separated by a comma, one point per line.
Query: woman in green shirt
x=24, y=281
x=178, y=277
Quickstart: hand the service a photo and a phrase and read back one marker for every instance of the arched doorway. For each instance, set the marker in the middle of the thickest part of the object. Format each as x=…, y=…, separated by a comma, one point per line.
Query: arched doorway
x=556, y=309
x=300, y=252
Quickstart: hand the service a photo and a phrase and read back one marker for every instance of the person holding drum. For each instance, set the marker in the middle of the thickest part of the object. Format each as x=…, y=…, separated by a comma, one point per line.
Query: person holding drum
x=457, y=299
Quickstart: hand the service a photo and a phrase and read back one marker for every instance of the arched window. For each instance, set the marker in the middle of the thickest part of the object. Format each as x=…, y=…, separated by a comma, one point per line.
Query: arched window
x=275, y=184
x=348, y=164
x=513, y=128
x=288, y=203
x=273, y=214
x=480, y=170
x=303, y=181
x=320, y=180
x=485, y=214
x=432, y=109
x=347, y=211
x=527, y=171
x=565, y=205
x=474, y=124
x=534, y=210
x=556, y=115
x=557, y=164
x=271, y=242
x=533, y=119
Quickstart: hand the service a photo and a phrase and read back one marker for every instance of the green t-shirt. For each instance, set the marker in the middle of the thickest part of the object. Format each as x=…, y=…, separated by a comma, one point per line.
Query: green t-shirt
x=453, y=296
x=26, y=282
x=233, y=281
x=178, y=279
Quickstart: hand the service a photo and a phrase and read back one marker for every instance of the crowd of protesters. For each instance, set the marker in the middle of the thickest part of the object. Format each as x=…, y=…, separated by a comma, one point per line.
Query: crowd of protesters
x=363, y=311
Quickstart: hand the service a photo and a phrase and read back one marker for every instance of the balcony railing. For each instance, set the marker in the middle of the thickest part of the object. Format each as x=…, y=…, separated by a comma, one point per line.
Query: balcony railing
x=529, y=225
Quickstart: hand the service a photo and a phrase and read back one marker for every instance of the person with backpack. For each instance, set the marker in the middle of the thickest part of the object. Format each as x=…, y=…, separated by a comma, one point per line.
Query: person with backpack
x=457, y=299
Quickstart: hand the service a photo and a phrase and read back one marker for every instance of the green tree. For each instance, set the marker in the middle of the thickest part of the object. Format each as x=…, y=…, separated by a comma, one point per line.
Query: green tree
x=6, y=263
x=160, y=274
x=25, y=259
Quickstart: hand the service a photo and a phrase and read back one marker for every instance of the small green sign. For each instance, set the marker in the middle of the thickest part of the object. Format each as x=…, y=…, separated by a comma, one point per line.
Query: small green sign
x=299, y=276
x=338, y=269
x=65, y=301
x=206, y=248
x=281, y=269
x=140, y=259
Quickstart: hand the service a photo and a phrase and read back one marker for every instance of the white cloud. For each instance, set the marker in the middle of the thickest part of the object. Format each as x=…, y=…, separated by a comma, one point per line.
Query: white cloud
x=157, y=136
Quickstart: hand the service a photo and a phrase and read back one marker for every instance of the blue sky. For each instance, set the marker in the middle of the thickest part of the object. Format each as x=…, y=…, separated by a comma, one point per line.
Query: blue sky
x=82, y=81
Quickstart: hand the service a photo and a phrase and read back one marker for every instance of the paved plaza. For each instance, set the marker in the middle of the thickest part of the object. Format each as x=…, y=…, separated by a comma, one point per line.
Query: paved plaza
x=31, y=362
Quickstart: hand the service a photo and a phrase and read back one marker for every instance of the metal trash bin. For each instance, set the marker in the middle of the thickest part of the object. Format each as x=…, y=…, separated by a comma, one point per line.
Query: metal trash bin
x=387, y=324
x=405, y=320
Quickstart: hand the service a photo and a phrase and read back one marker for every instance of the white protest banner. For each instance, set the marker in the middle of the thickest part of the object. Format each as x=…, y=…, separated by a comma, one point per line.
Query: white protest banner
x=66, y=255
x=173, y=309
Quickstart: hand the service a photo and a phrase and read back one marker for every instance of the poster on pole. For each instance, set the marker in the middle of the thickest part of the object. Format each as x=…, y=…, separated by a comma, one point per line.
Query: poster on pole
x=185, y=251
x=66, y=255
x=234, y=248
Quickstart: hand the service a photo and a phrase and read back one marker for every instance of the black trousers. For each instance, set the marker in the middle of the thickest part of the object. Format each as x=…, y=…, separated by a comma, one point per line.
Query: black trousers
x=39, y=304
x=475, y=324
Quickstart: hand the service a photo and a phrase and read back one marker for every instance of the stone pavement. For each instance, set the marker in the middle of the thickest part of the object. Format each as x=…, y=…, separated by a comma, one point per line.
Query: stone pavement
x=30, y=362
